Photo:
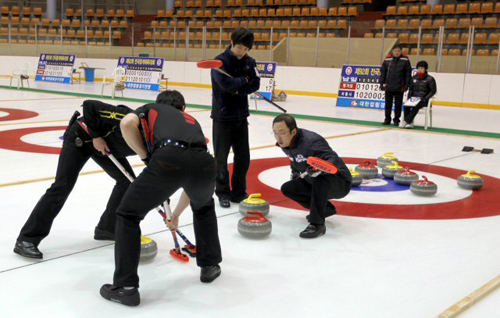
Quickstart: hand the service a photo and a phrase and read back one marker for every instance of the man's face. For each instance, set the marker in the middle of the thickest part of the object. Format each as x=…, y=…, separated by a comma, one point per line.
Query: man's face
x=421, y=69
x=282, y=134
x=239, y=50
x=396, y=52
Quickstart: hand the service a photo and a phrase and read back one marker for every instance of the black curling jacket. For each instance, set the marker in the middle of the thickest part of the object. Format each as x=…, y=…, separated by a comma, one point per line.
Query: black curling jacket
x=103, y=120
x=424, y=87
x=309, y=144
x=230, y=95
x=395, y=73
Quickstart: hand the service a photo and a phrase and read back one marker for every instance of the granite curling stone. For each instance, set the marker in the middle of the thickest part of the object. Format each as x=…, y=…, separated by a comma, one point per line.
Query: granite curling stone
x=255, y=225
x=367, y=170
x=386, y=159
x=390, y=170
x=254, y=203
x=470, y=181
x=405, y=177
x=149, y=249
x=357, y=179
x=423, y=188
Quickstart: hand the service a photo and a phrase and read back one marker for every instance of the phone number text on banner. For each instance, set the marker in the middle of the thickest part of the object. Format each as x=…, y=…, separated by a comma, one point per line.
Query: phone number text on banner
x=142, y=72
x=57, y=68
x=266, y=73
x=359, y=87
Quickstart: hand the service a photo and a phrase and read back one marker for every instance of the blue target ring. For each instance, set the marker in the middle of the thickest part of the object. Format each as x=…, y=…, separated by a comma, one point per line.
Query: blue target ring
x=381, y=184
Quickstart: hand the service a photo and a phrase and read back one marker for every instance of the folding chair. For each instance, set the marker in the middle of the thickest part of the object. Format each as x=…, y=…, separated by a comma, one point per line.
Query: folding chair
x=116, y=79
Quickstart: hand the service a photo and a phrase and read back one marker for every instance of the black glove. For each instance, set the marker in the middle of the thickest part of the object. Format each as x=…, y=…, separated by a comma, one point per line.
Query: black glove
x=405, y=88
x=294, y=175
x=313, y=173
x=146, y=160
x=381, y=87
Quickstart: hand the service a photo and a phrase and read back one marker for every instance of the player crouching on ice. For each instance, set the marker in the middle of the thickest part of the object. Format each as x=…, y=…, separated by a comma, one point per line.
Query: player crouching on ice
x=309, y=187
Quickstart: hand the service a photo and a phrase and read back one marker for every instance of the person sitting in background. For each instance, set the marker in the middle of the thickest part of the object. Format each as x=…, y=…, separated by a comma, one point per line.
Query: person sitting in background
x=422, y=85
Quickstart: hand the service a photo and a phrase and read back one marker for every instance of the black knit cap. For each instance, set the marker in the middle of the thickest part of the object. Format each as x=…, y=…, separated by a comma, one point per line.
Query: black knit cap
x=423, y=64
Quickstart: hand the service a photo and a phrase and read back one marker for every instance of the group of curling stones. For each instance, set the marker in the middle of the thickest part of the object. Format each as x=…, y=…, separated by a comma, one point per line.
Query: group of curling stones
x=391, y=169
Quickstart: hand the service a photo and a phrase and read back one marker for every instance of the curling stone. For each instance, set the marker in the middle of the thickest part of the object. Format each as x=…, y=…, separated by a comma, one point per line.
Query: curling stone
x=470, y=181
x=255, y=226
x=149, y=249
x=423, y=188
x=390, y=170
x=405, y=177
x=357, y=179
x=367, y=170
x=386, y=159
x=254, y=203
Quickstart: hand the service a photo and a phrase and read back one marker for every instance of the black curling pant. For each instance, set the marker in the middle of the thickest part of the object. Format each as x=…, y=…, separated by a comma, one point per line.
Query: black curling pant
x=411, y=112
x=170, y=168
x=398, y=104
x=226, y=135
x=71, y=161
x=314, y=196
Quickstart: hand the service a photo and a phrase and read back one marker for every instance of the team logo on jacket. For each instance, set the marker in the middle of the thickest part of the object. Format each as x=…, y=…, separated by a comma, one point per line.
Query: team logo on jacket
x=300, y=158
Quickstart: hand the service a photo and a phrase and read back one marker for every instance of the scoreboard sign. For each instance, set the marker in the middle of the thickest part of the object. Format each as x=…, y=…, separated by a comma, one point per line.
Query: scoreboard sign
x=359, y=87
x=266, y=72
x=142, y=72
x=56, y=68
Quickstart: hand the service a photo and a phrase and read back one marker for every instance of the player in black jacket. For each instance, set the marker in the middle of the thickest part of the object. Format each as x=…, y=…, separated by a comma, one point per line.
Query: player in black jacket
x=422, y=85
x=395, y=75
x=179, y=159
x=102, y=121
x=313, y=191
x=230, y=113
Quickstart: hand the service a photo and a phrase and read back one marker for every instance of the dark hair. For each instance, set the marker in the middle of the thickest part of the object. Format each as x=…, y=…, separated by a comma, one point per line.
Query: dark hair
x=288, y=119
x=397, y=46
x=243, y=36
x=172, y=98
x=423, y=64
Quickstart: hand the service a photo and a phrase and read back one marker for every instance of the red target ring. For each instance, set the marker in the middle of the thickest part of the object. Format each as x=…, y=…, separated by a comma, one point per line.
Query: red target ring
x=480, y=203
x=12, y=140
x=17, y=114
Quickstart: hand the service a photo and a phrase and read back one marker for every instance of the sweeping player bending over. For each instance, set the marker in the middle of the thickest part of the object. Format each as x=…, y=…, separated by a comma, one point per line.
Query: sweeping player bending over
x=178, y=159
x=102, y=122
x=316, y=188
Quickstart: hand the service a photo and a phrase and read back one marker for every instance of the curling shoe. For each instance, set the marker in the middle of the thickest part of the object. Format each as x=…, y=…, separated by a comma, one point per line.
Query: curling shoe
x=225, y=203
x=209, y=273
x=313, y=231
x=27, y=249
x=127, y=297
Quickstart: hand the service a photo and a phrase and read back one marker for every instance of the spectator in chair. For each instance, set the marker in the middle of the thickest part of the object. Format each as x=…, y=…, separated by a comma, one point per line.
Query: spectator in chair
x=423, y=86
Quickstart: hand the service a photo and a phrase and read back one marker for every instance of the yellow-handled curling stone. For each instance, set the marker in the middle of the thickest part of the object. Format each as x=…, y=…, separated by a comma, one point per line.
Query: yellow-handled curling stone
x=254, y=203
x=357, y=179
x=149, y=249
x=390, y=170
x=386, y=159
x=470, y=181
